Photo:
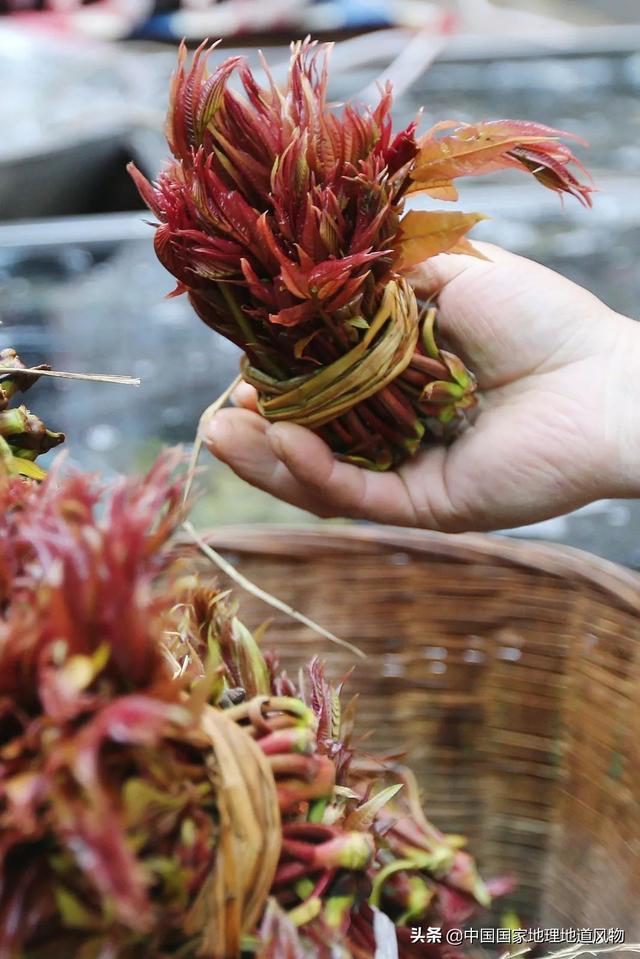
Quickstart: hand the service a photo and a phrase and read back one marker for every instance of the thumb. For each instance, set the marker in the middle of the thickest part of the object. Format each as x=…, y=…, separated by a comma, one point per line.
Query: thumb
x=433, y=275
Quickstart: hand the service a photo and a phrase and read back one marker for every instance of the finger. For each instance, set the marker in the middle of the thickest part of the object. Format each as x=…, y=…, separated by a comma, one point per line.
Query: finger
x=432, y=276
x=238, y=438
x=465, y=286
x=345, y=490
x=522, y=462
x=295, y=465
x=245, y=396
x=509, y=316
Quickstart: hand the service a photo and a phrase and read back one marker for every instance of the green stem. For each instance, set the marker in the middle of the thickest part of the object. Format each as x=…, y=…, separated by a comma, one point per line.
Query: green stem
x=399, y=865
x=238, y=315
x=317, y=810
x=245, y=328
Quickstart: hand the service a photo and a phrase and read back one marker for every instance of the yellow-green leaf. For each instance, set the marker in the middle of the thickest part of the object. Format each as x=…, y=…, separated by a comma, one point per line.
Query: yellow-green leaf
x=26, y=468
x=79, y=671
x=74, y=914
x=424, y=234
x=358, y=323
x=364, y=815
x=428, y=334
x=464, y=246
x=301, y=344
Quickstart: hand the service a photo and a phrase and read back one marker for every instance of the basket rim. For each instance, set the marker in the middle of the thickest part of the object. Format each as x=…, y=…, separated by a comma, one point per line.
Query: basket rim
x=564, y=562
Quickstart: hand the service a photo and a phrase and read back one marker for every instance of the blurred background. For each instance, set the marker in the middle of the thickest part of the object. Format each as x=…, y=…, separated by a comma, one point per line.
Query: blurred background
x=84, y=89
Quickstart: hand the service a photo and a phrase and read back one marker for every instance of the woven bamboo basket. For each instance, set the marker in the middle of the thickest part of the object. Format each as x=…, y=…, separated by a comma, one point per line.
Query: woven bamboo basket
x=509, y=671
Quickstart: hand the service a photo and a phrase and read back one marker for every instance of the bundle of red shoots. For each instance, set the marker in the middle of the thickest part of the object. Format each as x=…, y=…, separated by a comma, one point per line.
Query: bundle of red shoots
x=165, y=789
x=285, y=222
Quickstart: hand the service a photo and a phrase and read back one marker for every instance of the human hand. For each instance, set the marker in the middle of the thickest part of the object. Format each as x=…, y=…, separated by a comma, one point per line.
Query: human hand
x=556, y=427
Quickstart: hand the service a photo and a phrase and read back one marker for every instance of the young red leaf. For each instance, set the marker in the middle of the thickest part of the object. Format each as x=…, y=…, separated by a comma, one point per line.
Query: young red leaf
x=485, y=147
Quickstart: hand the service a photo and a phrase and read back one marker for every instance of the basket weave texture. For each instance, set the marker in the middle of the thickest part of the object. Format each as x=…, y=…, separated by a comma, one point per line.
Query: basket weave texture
x=509, y=671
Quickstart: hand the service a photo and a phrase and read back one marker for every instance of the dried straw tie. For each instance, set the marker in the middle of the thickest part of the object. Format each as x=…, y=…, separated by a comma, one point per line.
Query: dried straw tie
x=232, y=898
x=383, y=353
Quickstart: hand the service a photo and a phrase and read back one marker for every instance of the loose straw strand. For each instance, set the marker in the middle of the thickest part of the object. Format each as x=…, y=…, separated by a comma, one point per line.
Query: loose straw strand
x=58, y=374
x=225, y=566
x=261, y=594
x=197, y=443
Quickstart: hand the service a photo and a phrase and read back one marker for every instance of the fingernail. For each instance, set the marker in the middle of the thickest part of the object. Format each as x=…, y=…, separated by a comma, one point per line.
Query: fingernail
x=213, y=433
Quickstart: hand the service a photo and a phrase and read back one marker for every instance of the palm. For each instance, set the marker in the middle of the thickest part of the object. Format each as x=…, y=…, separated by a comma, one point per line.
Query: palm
x=523, y=460
x=542, y=349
